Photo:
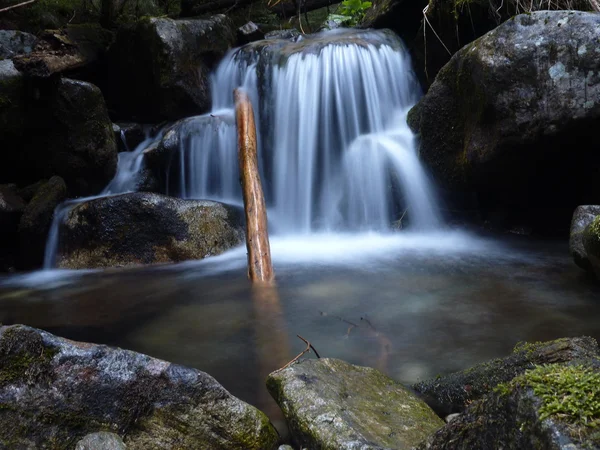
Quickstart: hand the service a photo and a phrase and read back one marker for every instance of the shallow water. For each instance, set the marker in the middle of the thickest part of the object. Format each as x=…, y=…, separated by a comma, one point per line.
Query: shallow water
x=412, y=305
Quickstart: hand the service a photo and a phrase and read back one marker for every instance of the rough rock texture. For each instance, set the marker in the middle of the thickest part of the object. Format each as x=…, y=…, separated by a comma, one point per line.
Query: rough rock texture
x=591, y=242
x=249, y=33
x=552, y=407
x=54, y=391
x=144, y=228
x=582, y=217
x=507, y=106
x=452, y=393
x=14, y=42
x=330, y=404
x=161, y=67
x=36, y=221
x=101, y=441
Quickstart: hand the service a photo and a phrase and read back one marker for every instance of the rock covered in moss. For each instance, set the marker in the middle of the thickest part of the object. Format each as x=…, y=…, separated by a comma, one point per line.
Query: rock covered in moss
x=452, y=393
x=591, y=242
x=501, y=115
x=161, y=66
x=582, y=217
x=53, y=392
x=36, y=221
x=330, y=404
x=550, y=407
x=144, y=228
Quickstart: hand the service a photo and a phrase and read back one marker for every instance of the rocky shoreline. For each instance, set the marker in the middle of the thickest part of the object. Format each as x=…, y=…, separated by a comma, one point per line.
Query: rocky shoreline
x=56, y=393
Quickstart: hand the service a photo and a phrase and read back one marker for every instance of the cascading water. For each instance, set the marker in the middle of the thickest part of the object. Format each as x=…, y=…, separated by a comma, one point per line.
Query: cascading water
x=335, y=150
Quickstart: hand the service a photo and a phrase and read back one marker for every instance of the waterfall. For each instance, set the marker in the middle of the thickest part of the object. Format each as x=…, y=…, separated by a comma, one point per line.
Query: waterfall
x=334, y=148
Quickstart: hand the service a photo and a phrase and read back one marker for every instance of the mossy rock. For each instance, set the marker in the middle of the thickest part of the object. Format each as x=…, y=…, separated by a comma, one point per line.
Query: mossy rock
x=144, y=228
x=454, y=392
x=548, y=407
x=485, y=125
x=331, y=405
x=591, y=242
x=583, y=216
x=54, y=392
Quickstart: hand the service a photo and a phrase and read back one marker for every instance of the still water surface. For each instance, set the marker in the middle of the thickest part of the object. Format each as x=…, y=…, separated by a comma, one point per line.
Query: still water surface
x=412, y=305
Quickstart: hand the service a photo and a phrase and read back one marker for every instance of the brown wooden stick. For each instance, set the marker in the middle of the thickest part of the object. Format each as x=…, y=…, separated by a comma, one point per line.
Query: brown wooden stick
x=260, y=268
x=18, y=5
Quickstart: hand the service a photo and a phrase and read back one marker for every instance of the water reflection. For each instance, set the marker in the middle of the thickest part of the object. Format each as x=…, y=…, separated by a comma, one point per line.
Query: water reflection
x=414, y=312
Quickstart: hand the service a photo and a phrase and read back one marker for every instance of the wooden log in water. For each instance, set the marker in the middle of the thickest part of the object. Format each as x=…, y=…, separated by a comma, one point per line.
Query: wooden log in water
x=260, y=268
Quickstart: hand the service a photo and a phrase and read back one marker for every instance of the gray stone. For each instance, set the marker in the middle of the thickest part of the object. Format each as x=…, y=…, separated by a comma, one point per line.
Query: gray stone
x=452, y=393
x=53, y=390
x=591, y=243
x=145, y=228
x=101, y=441
x=330, y=404
x=14, y=42
x=249, y=33
x=161, y=67
x=582, y=217
x=499, y=119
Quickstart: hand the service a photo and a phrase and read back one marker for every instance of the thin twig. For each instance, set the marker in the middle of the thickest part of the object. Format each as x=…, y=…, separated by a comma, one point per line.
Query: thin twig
x=18, y=5
x=310, y=345
x=308, y=348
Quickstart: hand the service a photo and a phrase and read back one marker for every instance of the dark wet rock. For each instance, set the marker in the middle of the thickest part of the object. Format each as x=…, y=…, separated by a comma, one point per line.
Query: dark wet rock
x=144, y=228
x=402, y=16
x=81, y=142
x=452, y=393
x=55, y=127
x=27, y=192
x=550, y=407
x=582, y=217
x=591, y=242
x=36, y=221
x=506, y=107
x=11, y=210
x=249, y=33
x=14, y=42
x=55, y=391
x=161, y=67
x=130, y=135
x=330, y=404
x=101, y=441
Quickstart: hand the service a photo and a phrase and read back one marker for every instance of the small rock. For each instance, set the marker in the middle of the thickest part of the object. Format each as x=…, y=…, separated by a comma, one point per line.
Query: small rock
x=452, y=393
x=330, y=404
x=101, y=441
x=14, y=42
x=249, y=33
x=285, y=447
x=451, y=417
x=291, y=34
x=582, y=217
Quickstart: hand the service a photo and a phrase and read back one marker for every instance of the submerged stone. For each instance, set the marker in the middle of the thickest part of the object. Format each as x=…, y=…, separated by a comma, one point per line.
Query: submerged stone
x=452, y=393
x=550, y=407
x=145, y=228
x=331, y=404
x=54, y=392
x=582, y=217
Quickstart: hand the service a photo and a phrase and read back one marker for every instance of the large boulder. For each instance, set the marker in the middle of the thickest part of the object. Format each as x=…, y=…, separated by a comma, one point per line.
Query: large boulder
x=55, y=127
x=499, y=119
x=591, y=242
x=14, y=42
x=161, y=67
x=582, y=217
x=452, y=393
x=144, y=228
x=550, y=407
x=36, y=221
x=54, y=392
x=330, y=404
